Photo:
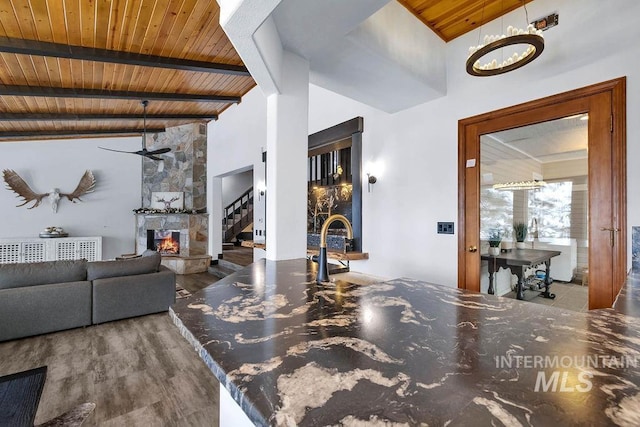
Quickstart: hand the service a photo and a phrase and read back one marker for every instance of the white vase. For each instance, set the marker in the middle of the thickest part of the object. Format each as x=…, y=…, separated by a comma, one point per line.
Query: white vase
x=520, y=245
x=494, y=251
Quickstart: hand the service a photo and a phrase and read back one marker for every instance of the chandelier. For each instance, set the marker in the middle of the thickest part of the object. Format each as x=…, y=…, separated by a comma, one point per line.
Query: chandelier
x=530, y=37
x=522, y=185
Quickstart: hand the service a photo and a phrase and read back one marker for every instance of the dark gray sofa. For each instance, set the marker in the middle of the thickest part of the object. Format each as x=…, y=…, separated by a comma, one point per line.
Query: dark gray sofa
x=37, y=298
x=130, y=288
x=42, y=297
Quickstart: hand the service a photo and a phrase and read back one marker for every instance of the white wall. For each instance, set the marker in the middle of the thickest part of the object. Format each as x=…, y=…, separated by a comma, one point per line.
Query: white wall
x=236, y=143
x=106, y=212
x=418, y=148
x=234, y=185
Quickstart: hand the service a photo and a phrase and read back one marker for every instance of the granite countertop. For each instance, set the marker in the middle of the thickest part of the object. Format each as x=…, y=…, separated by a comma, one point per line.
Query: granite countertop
x=407, y=352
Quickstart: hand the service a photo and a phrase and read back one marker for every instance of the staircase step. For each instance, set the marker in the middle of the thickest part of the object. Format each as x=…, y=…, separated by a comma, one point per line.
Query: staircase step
x=224, y=268
x=229, y=265
x=220, y=272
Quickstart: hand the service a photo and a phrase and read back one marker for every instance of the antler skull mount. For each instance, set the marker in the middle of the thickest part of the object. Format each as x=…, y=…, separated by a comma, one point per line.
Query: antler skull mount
x=22, y=189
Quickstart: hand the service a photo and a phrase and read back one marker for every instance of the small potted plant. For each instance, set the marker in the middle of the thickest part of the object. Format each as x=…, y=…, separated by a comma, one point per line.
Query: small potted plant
x=520, y=231
x=495, y=237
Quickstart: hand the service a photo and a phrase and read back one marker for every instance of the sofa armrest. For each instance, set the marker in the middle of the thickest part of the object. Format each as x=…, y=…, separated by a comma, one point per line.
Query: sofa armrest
x=129, y=296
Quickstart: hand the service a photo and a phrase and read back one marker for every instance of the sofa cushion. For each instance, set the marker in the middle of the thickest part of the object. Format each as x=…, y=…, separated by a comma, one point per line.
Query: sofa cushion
x=149, y=263
x=42, y=273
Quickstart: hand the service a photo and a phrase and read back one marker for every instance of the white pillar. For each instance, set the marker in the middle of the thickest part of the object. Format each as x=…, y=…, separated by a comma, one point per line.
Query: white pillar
x=214, y=191
x=287, y=141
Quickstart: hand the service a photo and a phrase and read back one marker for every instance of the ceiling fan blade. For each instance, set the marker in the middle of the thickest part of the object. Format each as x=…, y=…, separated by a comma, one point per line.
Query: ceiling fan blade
x=159, y=151
x=118, y=151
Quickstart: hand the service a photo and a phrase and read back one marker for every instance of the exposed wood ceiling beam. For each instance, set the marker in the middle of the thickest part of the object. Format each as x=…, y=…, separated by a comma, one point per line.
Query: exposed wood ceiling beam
x=57, y=50
x=57, y=92
x=77, y=132
x=21, y=117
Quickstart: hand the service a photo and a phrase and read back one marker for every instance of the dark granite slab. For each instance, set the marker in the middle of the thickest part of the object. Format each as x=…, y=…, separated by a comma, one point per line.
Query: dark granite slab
x=406, y=352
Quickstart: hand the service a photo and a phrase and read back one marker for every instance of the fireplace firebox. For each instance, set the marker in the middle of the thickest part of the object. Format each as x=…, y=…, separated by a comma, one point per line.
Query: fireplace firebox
x=166, y=242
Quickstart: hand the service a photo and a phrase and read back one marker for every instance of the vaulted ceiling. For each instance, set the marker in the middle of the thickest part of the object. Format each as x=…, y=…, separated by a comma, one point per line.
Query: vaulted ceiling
x=82, y=67
x=452, y=18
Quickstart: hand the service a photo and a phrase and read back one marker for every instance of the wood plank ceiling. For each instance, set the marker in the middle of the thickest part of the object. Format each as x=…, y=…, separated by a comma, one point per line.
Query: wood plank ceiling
x=452, y=18
x=80, y=67
x=84, y=66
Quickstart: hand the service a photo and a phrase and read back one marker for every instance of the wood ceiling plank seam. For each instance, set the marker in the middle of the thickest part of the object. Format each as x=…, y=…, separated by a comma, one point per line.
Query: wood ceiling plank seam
x=53, y=72
x=138, y=79
x=73, y=24
x=203, y=29
x=25, y=21
x=121, y=34
x=472, y=11
x=9, y=62
x=42, y=26
x=126, y=76
x=115, y=19
x=87, y=75
x=102, y=20
x=228, y=50
x=216, y=44
x=9, y=25
x=201, y=82
x=241, y=87
x=75, y=75
x=202, y=26
x=107, y=76
x=147, y=27
x=98, y=75
x=174, y=17
x=213, y=42
x=495, y=9
x=57, y=22
x=203, y=13
x=27, y=70
x=87, y=23
x=163, y=81
x=136, y=27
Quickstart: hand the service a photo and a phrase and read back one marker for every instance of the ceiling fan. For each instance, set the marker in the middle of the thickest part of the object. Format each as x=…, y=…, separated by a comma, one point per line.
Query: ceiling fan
x=144, y=152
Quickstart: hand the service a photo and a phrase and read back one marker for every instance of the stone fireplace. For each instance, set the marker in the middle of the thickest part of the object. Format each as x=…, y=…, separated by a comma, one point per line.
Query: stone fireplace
x=182, y=171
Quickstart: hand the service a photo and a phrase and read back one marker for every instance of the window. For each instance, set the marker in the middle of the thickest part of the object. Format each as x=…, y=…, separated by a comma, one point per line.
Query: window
x=551, y=207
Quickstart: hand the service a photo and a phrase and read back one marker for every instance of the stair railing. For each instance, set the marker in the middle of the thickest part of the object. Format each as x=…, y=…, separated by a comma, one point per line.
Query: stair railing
x=238, y=214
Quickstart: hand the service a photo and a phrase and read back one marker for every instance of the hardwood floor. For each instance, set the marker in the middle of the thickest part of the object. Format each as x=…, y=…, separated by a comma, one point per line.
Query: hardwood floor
x=138, y=372
x=194, y=282
x=238, y=255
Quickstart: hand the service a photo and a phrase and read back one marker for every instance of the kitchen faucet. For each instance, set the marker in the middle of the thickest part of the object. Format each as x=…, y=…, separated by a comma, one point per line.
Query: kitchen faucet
x=323, y=264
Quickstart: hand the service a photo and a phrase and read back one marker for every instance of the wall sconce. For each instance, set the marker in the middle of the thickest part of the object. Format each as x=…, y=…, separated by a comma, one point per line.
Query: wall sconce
x=370, y=180
x=261, y=189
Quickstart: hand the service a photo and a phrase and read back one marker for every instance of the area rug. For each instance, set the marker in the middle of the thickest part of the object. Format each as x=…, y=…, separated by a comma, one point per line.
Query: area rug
x=181, y=292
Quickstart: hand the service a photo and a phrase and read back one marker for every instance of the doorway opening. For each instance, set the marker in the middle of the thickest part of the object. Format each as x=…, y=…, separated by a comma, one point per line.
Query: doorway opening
x=238, y=217
x=605, y=104
x=534, y=196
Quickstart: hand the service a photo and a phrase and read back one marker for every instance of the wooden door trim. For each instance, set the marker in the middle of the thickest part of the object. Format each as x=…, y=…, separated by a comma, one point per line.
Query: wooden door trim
x=536, y=111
